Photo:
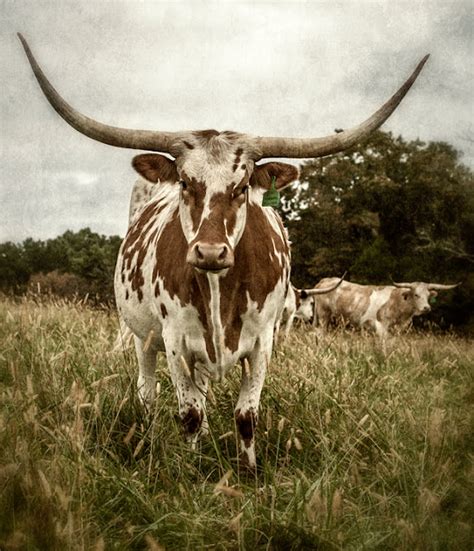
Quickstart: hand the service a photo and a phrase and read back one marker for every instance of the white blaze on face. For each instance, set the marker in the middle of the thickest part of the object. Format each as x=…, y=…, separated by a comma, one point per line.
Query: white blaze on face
x=421, y=296
x=306, y=309
x=211, y=181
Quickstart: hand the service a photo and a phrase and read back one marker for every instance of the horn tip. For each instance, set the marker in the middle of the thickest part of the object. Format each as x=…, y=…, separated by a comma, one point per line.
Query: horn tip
x=423, y=61
x=23, y=41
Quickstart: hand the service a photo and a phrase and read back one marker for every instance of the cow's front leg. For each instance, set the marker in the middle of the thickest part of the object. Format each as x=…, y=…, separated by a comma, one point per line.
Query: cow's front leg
x=146, y=373
x=246, y=411
x=190, y=382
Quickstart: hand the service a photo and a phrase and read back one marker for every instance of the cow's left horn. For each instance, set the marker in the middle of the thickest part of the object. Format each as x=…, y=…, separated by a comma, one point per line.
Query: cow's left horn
x=405, y=285
x=311, y=292
x=111, y=135
x=441, y=287
x=301, y=148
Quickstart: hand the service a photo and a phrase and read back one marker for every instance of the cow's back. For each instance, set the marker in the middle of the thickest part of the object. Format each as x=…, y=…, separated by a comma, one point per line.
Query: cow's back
x=350, y=303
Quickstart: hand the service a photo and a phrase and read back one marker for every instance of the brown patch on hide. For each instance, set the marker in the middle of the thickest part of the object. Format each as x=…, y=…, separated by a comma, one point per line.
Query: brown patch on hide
x=164, y=311
x=135, y=247
x=192, y=421
x=188, y=145
x=246, y=423
x=399, y=308
x=155, y=168
x=193, y=197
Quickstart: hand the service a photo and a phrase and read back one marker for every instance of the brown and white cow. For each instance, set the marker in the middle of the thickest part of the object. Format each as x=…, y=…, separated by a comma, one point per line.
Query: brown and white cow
x=204, y=269
x=299, y=304
x=378, y=308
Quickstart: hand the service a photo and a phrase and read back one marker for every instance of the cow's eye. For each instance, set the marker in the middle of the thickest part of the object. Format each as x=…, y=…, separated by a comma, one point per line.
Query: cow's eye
x=244, y=189
x=183, y=185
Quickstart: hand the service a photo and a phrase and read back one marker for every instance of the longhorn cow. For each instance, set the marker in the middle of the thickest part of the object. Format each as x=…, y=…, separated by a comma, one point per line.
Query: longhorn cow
x=300, y=304
x=203, y=271
x=382, y=309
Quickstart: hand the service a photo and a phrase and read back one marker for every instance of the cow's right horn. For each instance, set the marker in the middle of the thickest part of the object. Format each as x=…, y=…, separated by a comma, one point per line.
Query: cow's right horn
x=441, y=287
x=111, y=135
x=319, y=147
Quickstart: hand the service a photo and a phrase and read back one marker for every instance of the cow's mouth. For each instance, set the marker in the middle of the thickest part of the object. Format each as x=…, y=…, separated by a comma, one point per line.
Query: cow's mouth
x=217, y=271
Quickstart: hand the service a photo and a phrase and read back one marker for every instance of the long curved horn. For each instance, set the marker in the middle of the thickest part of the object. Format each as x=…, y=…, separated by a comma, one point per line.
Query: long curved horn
x=111, y=135
x=441, y=287
x=319, y=147
x=404, y=285
x=311, y=292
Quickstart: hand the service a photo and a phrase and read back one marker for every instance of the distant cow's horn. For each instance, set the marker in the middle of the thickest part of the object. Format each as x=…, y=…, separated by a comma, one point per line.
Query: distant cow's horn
x=319, y=147
x=441, y=287
x=311, y=292
x=405, y=285
x=111, y=135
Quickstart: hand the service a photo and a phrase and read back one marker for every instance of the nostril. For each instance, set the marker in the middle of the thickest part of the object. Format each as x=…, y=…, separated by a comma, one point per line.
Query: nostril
x=199, y=253
x=223, y=253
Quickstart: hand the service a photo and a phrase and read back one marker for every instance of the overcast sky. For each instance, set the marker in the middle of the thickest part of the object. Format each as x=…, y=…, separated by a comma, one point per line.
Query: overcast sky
x=267, y=68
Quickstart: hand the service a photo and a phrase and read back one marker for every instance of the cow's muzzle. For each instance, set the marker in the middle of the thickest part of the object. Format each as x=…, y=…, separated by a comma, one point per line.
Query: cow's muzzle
x=211, y=257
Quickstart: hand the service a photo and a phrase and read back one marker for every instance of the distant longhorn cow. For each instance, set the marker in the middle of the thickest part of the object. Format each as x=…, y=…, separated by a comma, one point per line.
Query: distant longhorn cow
x=299, y=304
x=378, y=308
x=204, y=269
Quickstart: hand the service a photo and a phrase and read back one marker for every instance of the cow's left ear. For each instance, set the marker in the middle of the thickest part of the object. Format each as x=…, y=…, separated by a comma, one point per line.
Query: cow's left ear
x=155, y=168
x=283, y=173
x=433, y=293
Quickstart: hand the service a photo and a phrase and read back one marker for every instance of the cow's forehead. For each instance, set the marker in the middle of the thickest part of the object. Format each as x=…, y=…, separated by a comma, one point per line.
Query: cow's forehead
x=218, y=159
x=421, y=288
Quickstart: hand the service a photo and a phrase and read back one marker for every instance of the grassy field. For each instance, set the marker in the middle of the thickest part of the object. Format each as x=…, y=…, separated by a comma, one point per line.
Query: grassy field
x=359, y=446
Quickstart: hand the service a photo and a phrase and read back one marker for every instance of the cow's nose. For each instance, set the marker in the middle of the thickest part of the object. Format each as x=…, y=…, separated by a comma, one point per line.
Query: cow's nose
x=211, y=256
x=426, y=309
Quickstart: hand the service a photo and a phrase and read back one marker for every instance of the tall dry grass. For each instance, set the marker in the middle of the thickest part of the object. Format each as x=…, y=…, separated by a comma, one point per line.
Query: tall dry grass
x=360, y=446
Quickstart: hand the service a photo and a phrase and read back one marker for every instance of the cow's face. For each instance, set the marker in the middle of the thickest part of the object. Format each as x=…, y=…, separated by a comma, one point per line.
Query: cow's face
x=305, y=309
x=217, y=181
x=419, y=297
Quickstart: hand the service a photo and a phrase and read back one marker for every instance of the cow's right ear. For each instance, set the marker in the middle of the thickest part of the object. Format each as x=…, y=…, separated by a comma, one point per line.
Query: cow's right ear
x=155, y=168
x=283, y=173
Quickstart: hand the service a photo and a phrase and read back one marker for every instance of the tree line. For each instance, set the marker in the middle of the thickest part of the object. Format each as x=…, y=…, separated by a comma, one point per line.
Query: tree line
x=387, y=208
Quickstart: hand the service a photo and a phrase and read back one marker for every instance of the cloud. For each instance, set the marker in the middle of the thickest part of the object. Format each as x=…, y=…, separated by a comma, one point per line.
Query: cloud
x=268, y=68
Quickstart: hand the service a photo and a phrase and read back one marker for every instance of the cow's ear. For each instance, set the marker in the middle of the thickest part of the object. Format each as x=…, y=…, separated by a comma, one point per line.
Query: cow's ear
x=283, y=173
x=433, y=293
x=304, y=294
x=155, y=168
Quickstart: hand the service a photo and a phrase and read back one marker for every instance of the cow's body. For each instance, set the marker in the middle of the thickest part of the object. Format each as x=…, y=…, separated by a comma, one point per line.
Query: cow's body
x=206, y=322
x=204, y=270
x=382, y=309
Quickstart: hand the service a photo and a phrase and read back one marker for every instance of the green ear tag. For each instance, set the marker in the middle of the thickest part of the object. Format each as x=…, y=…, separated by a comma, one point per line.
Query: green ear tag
x=271, y=198
x=433, y=300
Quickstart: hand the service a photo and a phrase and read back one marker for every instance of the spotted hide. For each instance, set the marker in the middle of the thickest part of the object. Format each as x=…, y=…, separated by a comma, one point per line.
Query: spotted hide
x=203, y=271
x=383, y=309
x=202, y=275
